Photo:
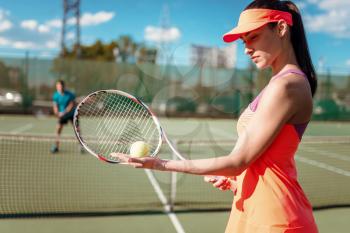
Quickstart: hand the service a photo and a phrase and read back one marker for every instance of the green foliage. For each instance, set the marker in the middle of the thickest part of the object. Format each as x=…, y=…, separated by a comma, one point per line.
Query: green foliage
x=99, y=65
x=124, y=49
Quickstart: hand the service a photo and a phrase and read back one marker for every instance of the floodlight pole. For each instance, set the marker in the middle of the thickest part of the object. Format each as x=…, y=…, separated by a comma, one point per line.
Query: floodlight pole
x=71, y=11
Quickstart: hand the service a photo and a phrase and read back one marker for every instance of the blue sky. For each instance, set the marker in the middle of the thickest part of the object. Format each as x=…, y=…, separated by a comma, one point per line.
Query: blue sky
x=35, y=26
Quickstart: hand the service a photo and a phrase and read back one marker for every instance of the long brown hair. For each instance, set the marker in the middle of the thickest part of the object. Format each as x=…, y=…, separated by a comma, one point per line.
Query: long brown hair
x=298, y=38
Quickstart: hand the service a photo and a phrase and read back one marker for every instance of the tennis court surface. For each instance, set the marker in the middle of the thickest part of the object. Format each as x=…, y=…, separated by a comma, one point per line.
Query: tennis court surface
x=73, y=192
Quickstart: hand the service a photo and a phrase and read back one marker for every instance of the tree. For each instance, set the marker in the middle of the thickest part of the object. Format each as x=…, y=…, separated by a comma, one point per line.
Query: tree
x=124, y=49
x=100, y=65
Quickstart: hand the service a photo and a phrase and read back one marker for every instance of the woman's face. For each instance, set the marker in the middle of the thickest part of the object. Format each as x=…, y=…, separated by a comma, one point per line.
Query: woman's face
x=263, y=46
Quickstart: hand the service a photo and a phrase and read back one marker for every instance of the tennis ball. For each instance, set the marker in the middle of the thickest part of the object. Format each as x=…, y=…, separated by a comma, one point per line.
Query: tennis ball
x=139, y=149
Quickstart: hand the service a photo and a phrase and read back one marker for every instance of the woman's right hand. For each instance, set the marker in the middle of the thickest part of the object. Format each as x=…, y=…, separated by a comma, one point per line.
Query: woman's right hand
x=221, y=182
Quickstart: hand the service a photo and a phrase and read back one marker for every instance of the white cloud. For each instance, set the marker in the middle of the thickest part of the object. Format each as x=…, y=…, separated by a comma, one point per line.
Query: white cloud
x=43, y=28
x=4, y=41
x=70, y=35
x=54, y=23
x=347, y=62
x=33, y=25
x=332, y=20
x=33, y=34
x=52, y=44
x=20, y=44
x=88, y=19
x=23, y=45
x=5, y=24
x=29, y=24
x=333, y=4
x=44, y=43
x=157, y=34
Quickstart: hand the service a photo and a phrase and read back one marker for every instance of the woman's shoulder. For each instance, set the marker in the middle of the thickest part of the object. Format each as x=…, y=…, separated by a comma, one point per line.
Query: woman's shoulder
x=291, y=83
x=290, y=90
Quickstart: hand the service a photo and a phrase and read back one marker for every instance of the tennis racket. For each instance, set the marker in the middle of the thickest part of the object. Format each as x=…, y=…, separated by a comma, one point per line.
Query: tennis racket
x=108, y=121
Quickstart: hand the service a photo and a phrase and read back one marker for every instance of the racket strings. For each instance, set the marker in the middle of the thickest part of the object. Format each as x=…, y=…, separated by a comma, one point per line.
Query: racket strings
x=113, y=128
x=101, y=128
x=91, y=113
x=111, y=123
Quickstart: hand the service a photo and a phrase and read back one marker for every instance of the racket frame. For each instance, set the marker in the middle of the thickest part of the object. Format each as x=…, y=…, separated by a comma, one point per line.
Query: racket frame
x=161, y=133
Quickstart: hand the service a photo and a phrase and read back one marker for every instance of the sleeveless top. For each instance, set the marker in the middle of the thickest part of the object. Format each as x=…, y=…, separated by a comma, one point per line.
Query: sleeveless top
x=269, y=198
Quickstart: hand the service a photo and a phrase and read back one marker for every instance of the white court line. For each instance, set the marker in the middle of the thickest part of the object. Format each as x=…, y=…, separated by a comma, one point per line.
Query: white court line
x=22, y=128
x=162, y=198
x=323, y=166
x=328, y=154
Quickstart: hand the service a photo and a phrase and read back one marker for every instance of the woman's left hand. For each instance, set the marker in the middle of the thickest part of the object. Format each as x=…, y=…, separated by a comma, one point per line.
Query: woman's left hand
x=221, y=182
x=143, y=162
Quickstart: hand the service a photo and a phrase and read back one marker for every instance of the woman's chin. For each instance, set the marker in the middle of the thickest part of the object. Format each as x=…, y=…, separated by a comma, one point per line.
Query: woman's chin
x=261, y=65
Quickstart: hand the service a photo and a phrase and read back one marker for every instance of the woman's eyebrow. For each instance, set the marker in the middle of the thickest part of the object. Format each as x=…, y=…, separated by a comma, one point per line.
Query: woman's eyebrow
x=246, y=34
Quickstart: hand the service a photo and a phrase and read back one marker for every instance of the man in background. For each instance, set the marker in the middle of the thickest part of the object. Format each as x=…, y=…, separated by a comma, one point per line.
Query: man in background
x=63, y=108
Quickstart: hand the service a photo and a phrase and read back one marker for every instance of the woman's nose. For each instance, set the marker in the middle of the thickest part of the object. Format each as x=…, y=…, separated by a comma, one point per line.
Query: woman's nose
x=248, y=51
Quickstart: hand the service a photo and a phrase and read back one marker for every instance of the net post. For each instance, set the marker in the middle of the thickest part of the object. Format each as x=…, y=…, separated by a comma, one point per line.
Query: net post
x=173, y=181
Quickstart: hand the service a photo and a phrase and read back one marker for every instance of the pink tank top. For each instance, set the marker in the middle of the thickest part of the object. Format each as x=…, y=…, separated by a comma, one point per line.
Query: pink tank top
x=269, y=198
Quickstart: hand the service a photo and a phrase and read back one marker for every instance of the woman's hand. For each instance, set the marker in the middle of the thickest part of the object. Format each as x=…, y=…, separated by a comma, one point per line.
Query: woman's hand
x=221, y=182
x=144, y=162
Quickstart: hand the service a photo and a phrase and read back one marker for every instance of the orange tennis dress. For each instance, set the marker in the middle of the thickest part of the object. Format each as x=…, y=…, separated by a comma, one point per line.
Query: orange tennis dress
x=269, y=198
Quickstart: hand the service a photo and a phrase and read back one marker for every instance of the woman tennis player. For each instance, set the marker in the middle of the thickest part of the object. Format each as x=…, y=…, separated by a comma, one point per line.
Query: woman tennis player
x=268, y=196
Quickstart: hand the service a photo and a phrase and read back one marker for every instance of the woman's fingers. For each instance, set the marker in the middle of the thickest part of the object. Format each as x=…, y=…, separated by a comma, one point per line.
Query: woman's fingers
x=223, y=184
x=220, y=182
x=210, y=179
x=122, y=158
x=126, y=159
x=144, y=162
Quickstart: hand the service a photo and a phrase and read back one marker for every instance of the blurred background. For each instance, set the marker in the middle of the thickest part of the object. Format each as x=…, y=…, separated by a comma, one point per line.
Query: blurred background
x=171, y=55
x=168, y=53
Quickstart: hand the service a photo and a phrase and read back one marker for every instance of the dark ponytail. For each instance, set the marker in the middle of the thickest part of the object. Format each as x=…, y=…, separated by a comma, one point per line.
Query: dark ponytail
x=298, y=37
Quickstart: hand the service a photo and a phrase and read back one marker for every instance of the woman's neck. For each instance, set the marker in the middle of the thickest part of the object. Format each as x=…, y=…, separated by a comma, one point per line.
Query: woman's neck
x=286, y=60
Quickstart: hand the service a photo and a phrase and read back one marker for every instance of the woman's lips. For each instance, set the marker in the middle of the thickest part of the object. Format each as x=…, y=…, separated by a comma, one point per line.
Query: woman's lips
x=254, y=58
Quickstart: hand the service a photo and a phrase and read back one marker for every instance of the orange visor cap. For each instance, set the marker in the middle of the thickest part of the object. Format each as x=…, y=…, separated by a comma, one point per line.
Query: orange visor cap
x=252, y=19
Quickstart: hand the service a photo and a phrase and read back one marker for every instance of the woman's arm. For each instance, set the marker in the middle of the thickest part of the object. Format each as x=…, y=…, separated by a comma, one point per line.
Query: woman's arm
x=276, y=107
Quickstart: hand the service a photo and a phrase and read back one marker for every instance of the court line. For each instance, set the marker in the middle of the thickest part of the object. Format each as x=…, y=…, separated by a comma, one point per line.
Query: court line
x=328, y=154
x=175, y=221
x=322, y=165
x=22, y=128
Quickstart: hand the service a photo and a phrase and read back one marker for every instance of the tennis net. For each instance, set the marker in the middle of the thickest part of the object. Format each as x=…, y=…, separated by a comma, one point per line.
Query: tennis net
x=35, y=182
